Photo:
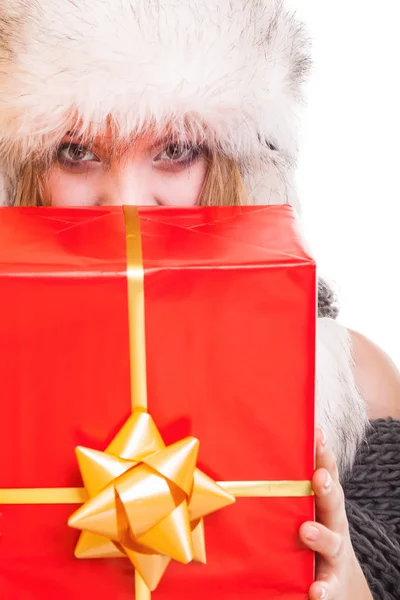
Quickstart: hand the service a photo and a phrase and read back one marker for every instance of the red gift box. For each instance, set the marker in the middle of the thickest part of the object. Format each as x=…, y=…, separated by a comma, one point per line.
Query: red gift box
x=230, y=306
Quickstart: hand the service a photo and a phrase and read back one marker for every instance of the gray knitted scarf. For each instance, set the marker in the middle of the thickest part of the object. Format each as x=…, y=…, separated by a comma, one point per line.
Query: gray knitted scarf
x=373, y=508
x=372, y=492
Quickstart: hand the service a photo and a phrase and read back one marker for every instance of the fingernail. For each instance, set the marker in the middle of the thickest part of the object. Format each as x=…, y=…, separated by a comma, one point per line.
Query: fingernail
x=328, y=482
x=324, y=438
x=323, y=593
x=312, y=533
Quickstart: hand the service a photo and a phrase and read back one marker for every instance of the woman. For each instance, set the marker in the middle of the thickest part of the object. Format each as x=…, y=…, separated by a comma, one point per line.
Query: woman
x=184, y=102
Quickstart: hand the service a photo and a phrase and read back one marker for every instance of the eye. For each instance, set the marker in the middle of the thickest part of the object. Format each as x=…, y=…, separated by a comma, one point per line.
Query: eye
x=75, y=153
x=178, y=153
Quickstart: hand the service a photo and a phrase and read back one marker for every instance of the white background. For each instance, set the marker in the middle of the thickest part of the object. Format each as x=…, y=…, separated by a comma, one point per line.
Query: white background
x=350, y=158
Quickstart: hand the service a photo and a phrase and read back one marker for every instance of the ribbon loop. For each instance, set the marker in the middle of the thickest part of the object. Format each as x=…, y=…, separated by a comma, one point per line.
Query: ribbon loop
x=148, y=507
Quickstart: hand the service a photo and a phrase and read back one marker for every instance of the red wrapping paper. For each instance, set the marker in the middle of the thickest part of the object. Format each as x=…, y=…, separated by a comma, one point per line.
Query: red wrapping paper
x=230, y=305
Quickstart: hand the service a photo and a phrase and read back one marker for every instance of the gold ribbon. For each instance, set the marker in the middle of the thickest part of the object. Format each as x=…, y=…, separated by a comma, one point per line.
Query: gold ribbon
x=146, y=501
x=239, y=489
x=143, y=500
x=137, y=336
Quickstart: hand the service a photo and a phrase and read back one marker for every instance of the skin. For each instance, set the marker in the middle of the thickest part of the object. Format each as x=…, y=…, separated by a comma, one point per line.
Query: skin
x=159, y=172
x=378, y=378
x=338, y=573
x=159, y=176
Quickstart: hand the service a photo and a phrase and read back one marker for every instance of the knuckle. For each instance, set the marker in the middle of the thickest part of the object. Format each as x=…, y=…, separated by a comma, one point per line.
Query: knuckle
x=335, y=472
x=337, y=548
x=338, y=513
x=335, y=503
x=340, y=494
x=330, y=457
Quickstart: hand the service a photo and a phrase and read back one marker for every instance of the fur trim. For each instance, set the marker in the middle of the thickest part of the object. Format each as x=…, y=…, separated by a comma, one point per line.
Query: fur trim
x=340, y=410
x=229, y=72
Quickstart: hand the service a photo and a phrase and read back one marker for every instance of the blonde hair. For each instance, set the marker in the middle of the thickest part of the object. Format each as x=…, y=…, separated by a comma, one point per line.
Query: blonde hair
x=223, y=185
x=29, y=187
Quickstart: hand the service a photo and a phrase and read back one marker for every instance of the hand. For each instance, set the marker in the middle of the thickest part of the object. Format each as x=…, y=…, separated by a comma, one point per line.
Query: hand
x=338, y=572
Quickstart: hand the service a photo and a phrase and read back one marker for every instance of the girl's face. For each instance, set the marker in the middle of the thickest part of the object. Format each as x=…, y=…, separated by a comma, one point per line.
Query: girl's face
x=145, y=173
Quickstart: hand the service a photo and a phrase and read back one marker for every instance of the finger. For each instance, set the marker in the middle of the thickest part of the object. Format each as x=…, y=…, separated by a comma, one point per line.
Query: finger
x=329, y=501
x=325, y=458
x=326, y=589
x=328, y=544
x=318, y=590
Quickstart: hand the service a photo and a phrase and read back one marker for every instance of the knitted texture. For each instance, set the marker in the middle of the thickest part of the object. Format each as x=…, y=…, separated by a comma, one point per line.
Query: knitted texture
x=373, y=508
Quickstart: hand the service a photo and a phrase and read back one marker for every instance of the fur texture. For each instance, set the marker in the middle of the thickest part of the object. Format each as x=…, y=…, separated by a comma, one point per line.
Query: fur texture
x=229, y=71
x=340, y=410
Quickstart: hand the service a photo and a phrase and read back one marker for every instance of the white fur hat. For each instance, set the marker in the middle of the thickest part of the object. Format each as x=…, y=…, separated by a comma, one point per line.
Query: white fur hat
x=229, y=70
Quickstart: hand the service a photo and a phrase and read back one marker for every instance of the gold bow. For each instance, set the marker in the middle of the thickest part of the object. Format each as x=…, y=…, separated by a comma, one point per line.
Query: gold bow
x=146, y=501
